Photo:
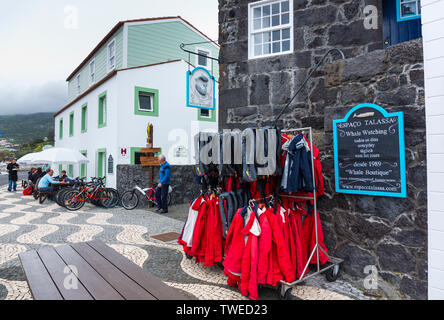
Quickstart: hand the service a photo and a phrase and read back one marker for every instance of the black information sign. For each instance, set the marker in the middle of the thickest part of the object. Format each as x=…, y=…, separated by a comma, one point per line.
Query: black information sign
x=110, y=164
x=369, y=152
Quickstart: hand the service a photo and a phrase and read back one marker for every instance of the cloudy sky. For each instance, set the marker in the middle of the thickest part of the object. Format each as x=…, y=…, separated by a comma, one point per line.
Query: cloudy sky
x=41, y=45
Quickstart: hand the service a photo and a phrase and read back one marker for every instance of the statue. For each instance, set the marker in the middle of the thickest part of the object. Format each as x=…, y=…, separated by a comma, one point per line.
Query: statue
x=149, y=131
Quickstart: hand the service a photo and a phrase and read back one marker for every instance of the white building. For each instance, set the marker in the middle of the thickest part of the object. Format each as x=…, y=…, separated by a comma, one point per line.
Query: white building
x=135, y=76
x=433, y=39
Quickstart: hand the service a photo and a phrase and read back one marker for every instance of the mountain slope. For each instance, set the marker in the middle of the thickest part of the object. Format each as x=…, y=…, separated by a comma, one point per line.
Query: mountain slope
x=26, y=127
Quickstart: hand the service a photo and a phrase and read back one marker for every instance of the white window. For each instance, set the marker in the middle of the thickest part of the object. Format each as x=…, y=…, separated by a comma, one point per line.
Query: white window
x=112, y=54
x=270, y=25
x=92, y=72
x=408, y=9
x=201, y=57
x=145, y=101
x=78, y=83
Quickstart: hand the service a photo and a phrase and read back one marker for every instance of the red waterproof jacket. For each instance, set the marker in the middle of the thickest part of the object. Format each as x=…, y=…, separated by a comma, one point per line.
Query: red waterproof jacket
x=248, y=284
x=199, y=236
x=319, y=179
x=234, y=249
x=280, y=253
x=217, y=232
x=285, y=223
x=310, y=238
x=194, y=206
x=301, y=257
x=264, y=256
x=209, y=235
x=211, y=253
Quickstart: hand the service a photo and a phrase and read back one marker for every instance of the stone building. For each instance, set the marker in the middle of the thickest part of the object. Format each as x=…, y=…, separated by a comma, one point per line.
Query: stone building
x=383, y=65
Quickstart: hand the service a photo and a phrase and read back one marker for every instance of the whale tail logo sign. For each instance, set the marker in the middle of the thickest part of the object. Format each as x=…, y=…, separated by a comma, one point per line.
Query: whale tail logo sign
x=123, y=151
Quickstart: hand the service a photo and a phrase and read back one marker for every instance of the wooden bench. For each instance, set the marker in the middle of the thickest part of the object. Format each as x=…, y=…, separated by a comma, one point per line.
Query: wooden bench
x=102, y=274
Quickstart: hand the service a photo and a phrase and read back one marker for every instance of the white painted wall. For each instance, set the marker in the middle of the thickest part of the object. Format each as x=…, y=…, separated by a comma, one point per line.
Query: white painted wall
x=175, y=125
x=433, y=38
x=175, y=122
x=95, y=138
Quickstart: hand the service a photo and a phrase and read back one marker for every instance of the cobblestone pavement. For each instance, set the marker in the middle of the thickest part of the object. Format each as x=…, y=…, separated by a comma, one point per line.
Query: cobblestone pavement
x=25, y=224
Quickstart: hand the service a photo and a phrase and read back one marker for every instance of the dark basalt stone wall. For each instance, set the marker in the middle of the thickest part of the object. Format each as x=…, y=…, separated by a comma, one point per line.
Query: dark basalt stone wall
x=389, y=233
x=182, y=181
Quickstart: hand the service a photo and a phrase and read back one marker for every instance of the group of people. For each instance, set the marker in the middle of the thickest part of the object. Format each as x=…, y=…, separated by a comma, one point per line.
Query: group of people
x=47, y=181
x=33, y=174
x=44, y=173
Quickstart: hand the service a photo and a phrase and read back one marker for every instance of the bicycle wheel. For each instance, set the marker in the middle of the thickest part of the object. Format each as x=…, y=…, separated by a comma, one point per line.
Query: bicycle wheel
x=169, y=198
x=60, y=196
x=95, y=198
x=116, y=197
x=74, y=200
x=130, y=200
x=107, y=198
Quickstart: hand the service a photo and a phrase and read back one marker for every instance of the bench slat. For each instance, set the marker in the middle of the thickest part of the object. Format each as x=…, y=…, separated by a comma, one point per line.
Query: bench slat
x=39, y=281
x=129, y=289
x=144, y=278
x=93, y=282
x=56, y=268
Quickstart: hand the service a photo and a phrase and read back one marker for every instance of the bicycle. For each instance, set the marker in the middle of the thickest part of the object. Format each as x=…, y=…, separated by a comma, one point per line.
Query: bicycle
x=94, y=192
x=130, y=198
x=60, y=196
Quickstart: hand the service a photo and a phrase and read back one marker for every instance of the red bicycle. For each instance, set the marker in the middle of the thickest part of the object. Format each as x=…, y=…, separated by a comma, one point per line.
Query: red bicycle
x=130, y=198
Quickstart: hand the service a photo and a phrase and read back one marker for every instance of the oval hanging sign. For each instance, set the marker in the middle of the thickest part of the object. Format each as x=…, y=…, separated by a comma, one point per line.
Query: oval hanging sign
x=369, y=152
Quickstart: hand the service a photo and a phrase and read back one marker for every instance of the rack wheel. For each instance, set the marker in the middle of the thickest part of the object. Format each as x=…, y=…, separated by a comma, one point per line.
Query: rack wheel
x=284, y=296
x=188, y=256
x=333, y=273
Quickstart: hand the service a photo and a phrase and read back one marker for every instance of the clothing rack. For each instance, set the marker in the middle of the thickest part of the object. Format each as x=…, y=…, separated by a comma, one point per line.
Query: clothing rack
x=334, y=263
x=251, y=201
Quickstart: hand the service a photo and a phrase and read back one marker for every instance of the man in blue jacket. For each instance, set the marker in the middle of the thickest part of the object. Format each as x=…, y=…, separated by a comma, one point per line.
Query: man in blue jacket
x=163, y=186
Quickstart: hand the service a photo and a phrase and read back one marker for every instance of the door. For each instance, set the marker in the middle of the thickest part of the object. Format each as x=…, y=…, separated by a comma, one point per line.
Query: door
x=395, y=31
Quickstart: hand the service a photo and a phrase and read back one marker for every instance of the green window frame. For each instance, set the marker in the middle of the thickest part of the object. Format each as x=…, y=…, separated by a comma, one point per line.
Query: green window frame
x=102, y=109
x=101, y=163
x=155, y=101
x=71, y=124
x=84, y=118
x=60, y=168
x=61, y=129
x=133, y=151
x=70, y=170
x=83, y=165
x=212, y=117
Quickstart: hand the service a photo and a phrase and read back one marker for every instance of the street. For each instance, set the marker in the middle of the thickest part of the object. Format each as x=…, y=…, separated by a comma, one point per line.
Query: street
x=25, y=225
